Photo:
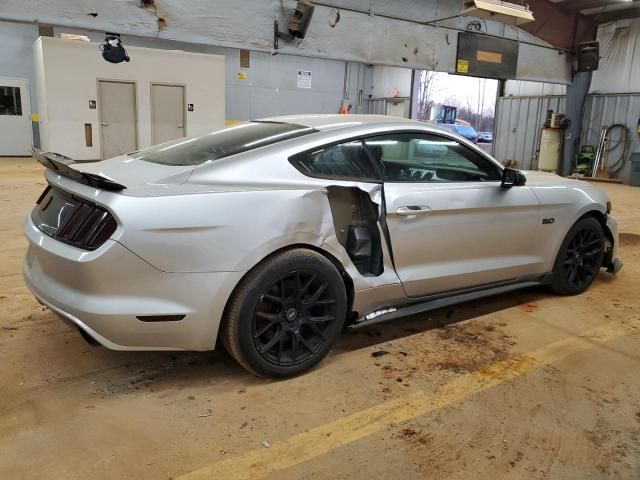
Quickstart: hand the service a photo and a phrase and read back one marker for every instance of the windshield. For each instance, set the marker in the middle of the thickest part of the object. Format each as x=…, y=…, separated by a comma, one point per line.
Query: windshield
x=465, y=130
x=222, y=143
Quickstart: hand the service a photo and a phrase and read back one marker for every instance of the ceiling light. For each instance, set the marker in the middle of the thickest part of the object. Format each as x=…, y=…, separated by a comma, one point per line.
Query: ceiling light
x=505, y=12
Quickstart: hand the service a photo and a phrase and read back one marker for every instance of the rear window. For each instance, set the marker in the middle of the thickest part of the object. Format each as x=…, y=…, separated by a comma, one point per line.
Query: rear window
x=222, y=143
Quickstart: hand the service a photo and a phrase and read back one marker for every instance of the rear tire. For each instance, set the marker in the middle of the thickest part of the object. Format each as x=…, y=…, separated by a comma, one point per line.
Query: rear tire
x=286, y=314
x=580, y=257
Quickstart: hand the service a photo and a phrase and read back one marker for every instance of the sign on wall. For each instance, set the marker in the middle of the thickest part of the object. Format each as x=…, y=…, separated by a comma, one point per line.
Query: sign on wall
x=304, y=79
x=487, y=57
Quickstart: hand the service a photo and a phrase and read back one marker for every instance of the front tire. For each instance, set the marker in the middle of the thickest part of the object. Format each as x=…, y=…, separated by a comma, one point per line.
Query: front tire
x=286, y=314
x=580, y=257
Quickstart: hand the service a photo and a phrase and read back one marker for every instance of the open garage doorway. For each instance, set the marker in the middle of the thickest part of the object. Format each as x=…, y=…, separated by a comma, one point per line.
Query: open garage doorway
x=464, y=105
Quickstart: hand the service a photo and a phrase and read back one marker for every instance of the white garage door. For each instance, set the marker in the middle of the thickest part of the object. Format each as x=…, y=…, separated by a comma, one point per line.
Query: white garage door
x=15, y=117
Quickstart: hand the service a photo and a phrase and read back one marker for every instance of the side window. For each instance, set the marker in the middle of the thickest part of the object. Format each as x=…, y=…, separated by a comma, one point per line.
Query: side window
x=10, y=102
x=348, y=161
x=417, y=157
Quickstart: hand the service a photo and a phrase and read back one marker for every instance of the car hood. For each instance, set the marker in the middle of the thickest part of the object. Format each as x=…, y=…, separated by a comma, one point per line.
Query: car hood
x=133, y=173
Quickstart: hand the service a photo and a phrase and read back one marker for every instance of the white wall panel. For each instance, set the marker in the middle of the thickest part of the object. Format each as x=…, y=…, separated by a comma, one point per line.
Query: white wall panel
x=16, y=40
x=277, y=73
x=619, y=70
x=523, y=88
x=68, y=90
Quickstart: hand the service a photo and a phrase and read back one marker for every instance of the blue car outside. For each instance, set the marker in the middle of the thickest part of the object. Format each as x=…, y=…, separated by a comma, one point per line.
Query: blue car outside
x=465, y=131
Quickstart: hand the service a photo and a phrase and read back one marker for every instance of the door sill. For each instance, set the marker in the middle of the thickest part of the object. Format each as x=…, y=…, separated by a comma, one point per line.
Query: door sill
x=435, y=302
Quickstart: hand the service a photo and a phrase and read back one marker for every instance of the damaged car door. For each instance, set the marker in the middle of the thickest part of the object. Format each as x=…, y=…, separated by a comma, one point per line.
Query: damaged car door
x=355, y=216
x=452, y=225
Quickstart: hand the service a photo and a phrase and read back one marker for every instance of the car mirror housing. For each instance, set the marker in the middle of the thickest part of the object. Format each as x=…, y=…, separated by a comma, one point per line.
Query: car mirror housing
x=513, y=178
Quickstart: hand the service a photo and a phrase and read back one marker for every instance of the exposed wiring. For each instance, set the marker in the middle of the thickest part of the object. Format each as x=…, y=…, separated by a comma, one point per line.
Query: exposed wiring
x=476, y=26
x=625, y=140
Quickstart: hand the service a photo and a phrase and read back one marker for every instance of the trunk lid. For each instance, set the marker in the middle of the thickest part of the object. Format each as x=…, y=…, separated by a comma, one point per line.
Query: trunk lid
x=132, y=172
x=123, y=173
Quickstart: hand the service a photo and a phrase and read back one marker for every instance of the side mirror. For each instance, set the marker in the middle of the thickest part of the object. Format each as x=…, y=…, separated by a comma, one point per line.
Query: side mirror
x=512, y=178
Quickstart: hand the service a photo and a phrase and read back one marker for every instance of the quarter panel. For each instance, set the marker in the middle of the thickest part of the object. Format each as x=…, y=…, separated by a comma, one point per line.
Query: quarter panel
x=107, y=288
x=233, y=231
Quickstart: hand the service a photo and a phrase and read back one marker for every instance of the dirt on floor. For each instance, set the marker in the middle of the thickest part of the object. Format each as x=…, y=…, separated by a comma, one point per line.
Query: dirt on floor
x=68, y=410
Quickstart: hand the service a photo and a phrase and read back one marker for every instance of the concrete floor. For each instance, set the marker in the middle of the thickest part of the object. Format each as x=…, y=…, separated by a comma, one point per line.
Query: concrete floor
x=525, y=385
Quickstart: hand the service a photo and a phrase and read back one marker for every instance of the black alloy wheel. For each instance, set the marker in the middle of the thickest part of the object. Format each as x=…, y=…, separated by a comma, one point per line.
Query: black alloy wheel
x=285, y=314
x=580, y=257
x=583, y=258
x=293, y=318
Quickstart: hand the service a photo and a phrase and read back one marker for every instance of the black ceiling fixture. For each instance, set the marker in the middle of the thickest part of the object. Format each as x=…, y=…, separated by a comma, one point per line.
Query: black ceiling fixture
x=298, y=23
x=112, y=49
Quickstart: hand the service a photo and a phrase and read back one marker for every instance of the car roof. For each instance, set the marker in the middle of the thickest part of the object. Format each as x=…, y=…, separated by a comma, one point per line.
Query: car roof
x=327, y=122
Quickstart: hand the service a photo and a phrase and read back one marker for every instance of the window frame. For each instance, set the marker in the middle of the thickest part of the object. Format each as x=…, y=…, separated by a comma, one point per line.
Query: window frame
x=294, y=161
x=381, y=167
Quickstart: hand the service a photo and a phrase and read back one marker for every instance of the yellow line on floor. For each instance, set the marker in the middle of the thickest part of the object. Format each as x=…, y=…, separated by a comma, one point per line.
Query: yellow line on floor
x=307, y=445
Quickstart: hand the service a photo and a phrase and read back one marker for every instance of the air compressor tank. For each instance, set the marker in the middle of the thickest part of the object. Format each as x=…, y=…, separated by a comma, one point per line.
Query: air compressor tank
x=550, y=145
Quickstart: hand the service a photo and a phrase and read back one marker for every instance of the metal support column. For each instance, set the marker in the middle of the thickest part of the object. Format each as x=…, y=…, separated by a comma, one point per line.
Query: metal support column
x=576, y=98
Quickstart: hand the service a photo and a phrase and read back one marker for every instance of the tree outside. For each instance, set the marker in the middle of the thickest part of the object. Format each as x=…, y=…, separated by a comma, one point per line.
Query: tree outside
x=474, y=98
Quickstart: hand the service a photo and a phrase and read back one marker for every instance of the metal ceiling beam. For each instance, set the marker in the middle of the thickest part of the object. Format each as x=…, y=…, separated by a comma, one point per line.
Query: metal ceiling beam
x=587, y=4
x=623, y=13
x=558, y=26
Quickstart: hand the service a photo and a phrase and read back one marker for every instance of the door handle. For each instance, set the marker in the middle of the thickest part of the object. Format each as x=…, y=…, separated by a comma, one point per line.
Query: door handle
x=180, y=126
x=104, y=124
x=413, y=210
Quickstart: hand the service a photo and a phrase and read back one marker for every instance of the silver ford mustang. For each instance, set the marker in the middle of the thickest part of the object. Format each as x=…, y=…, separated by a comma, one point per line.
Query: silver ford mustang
x=272, y=235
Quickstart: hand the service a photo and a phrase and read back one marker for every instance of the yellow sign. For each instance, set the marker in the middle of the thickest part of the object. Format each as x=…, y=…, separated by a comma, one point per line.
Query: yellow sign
x=463, y=66
x=35, y=117
x=241, y=76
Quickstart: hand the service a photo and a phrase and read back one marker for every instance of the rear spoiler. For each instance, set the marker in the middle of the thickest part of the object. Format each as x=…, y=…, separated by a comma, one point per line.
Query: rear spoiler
x=60, y=164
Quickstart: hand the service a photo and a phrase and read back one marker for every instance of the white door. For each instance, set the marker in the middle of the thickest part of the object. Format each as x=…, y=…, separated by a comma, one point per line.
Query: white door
x=15, y=117
x=452, y=225
x=118, y=118
x=167, y=112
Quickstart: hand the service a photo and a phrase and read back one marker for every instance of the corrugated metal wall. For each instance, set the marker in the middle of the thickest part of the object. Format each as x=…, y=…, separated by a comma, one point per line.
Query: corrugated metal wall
x=517, y=127
x=519, y=119
x=602, y=110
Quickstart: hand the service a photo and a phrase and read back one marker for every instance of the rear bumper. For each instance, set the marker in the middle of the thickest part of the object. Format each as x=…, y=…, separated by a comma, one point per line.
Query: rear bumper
x=104, y=291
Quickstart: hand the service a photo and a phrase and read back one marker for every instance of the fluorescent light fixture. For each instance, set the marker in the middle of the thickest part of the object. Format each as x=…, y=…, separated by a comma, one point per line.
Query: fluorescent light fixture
x=505, y=12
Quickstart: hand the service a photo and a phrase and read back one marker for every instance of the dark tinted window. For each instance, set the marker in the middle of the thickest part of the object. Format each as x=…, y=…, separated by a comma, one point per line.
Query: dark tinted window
x=345, y=161
x=416, y=157
x=222, y=143
x=10, y=101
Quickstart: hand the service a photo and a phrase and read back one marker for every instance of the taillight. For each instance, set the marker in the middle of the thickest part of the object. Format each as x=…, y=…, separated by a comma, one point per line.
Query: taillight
x=89, y=227
x=73, y=220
